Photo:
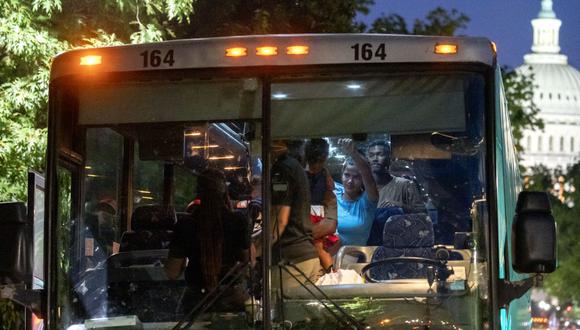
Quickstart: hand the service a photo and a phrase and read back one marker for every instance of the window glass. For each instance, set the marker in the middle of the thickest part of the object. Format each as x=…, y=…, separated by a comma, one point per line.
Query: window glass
x=397, y=163
x=185, y=187
x=147, y=180
x=36, y=206
x=64, y=244
x=103, y=180
x=192, y=190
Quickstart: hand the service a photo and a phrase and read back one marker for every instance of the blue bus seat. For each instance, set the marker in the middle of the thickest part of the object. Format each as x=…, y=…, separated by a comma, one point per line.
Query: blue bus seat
x=381, y=216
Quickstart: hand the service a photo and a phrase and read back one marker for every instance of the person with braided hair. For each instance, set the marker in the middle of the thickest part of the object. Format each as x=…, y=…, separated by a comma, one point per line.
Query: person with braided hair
x=212, y=241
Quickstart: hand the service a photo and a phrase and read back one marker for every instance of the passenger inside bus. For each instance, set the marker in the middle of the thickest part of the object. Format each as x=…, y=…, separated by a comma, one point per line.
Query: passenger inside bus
x=209, y=245
x=101, y=228
x=356, y=197
x=323, y=201
x=292, y=227
x=393, y=191
x=397, y=195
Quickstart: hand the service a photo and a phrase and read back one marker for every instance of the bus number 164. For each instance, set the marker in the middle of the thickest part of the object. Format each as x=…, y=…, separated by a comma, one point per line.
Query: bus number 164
x=156, y=58
x=367, y=51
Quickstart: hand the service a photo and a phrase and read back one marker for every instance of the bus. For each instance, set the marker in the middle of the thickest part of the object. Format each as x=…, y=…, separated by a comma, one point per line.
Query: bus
x=132, y=127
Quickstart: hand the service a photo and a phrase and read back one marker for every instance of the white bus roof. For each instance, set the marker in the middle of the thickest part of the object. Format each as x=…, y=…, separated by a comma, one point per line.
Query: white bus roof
x=322, y=49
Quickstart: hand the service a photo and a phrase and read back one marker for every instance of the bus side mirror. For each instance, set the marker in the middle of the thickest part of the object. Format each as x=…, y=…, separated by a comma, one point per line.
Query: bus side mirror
x=534, y=234
x=15, y=244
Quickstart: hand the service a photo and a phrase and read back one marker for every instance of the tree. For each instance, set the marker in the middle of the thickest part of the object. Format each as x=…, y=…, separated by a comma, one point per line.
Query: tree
x=519, y=90
x=565, y=199
x=240, y=17
x=438, y=21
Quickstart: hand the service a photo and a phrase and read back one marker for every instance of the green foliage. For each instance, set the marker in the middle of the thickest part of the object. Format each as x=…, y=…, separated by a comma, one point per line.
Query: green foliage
x=10, y=316
x=563, y=283
x=26, y=47
x=240, y=17
x=438, y=21
x=441, y=22
x=540, y=178
x=393, y=23
x=519, y=89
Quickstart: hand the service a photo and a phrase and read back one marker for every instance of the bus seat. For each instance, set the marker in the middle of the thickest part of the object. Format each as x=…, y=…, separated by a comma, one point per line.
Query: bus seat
x=407, y=235
x=363, y=253
x=152, y=228
x=381, y=216
x=137, y=284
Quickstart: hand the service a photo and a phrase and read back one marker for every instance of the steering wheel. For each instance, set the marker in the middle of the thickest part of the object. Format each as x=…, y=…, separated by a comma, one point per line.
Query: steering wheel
x=442, y=271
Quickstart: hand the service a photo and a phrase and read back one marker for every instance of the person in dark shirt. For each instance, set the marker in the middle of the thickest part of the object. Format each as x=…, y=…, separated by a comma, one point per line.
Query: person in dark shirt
x=291, y=225
x=393, y=191
x=213, y=241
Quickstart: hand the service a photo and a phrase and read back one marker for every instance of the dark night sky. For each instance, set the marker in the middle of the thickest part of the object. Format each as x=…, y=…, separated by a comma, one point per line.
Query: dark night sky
x=507, y=22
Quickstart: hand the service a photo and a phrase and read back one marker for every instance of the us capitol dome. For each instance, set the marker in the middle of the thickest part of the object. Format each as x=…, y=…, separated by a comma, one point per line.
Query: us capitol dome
x=557, y=95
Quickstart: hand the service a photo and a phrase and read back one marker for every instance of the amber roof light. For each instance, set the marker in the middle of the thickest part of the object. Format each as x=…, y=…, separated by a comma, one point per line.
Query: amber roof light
x=445, y=49
x=267, y=51
x=91, y=60
x=236, y=52
x=297, y=50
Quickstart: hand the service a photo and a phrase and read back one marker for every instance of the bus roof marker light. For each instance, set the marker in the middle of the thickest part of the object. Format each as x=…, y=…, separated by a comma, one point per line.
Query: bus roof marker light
x=267, y=51
x=297, y=50
x=446, y=49
x=236, y=52
x=91, y=60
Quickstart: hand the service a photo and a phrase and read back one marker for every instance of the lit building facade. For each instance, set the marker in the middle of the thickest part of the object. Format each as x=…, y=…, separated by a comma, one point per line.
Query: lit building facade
x=556, y=93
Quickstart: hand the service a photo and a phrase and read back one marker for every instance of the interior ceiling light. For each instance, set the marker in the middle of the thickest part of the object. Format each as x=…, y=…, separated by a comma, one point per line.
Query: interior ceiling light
x=221, y=157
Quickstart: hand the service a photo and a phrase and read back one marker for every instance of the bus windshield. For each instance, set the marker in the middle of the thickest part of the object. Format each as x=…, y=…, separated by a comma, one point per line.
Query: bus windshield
x=376, y=188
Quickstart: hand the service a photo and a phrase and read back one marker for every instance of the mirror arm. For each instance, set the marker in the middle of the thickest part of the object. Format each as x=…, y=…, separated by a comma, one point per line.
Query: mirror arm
x=509, y=291
x=31, y=299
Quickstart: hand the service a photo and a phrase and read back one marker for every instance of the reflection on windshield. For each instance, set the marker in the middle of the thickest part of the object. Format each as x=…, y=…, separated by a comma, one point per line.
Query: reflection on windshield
x=377, y=214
